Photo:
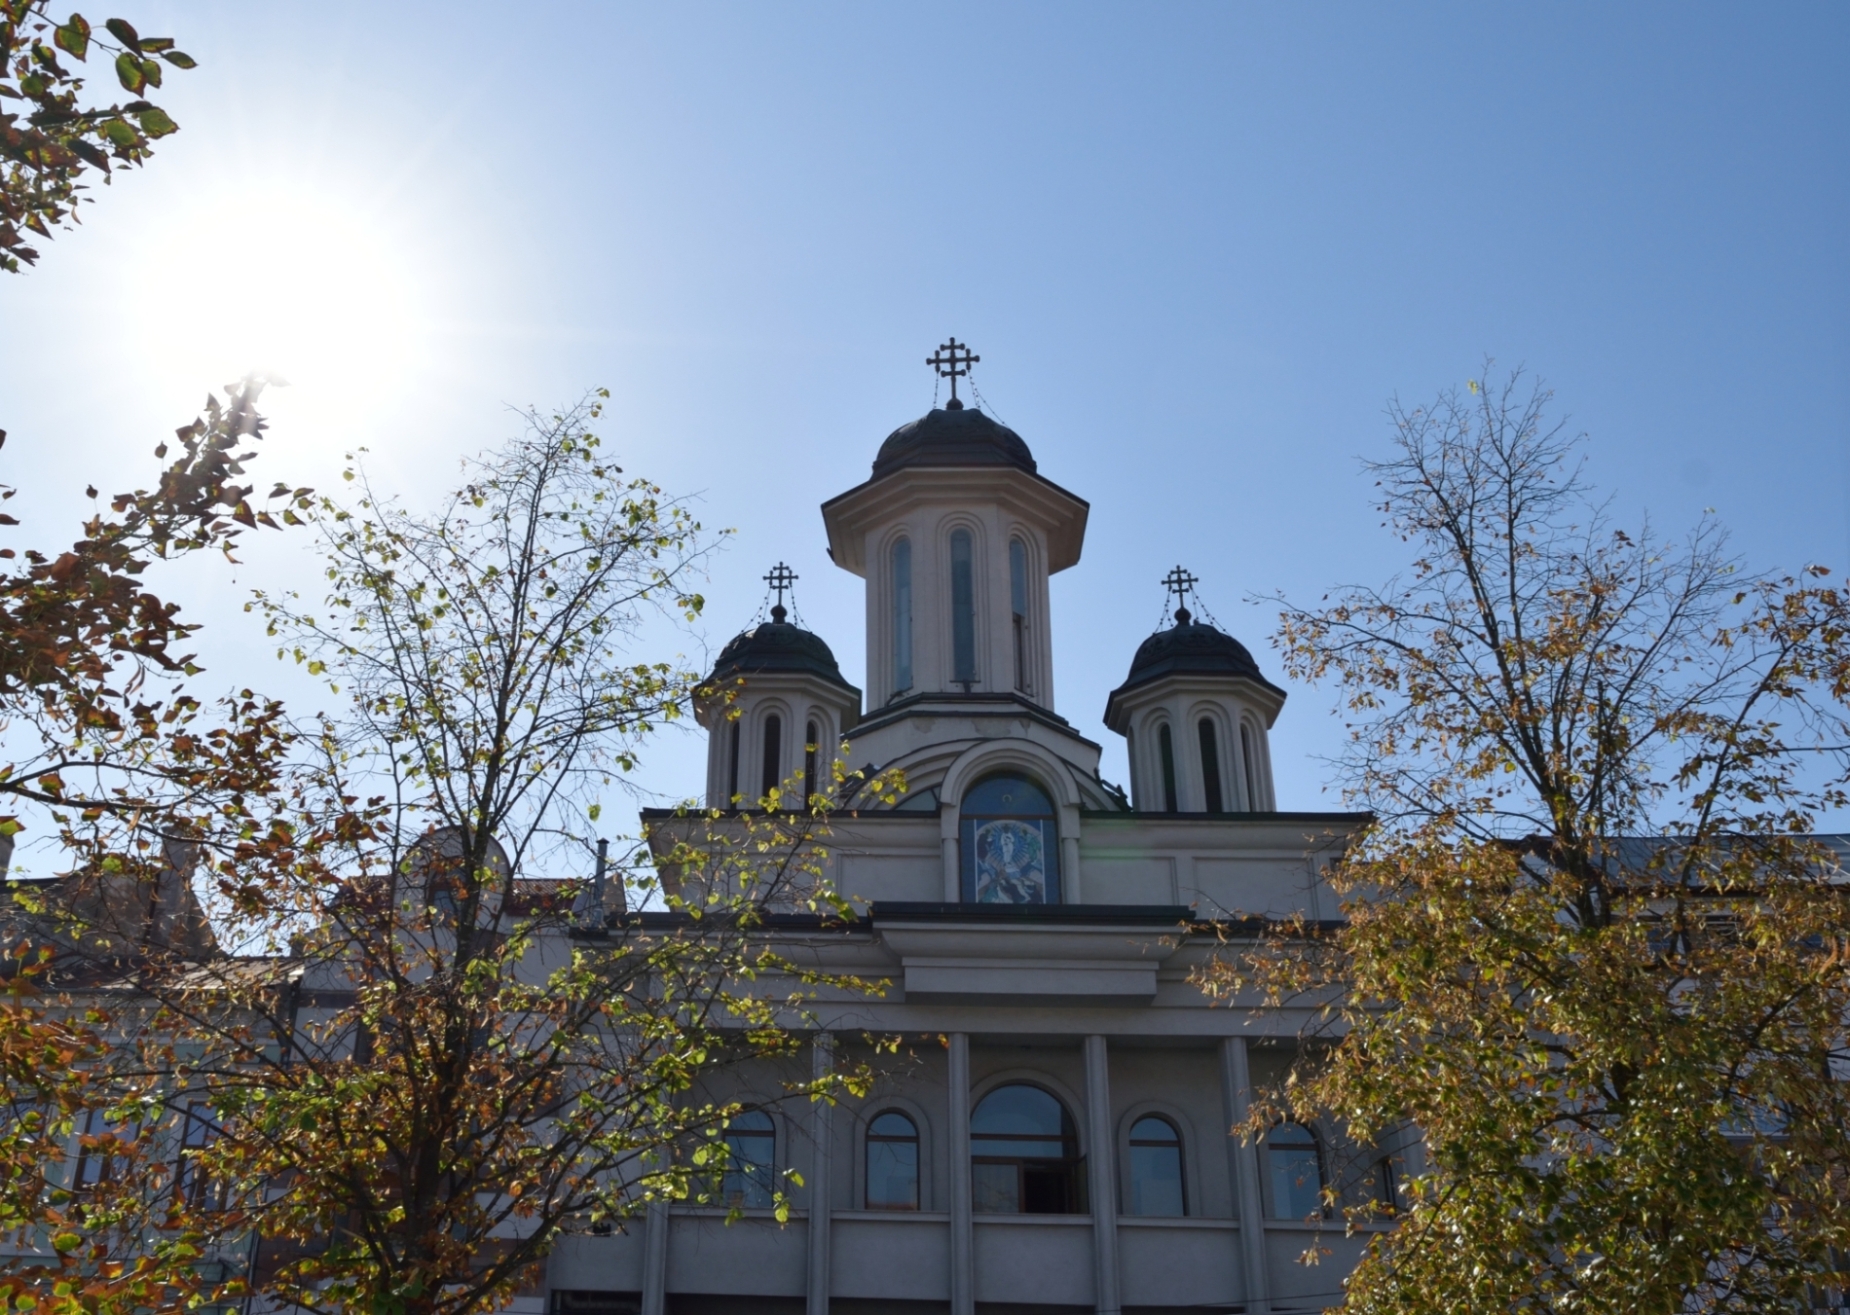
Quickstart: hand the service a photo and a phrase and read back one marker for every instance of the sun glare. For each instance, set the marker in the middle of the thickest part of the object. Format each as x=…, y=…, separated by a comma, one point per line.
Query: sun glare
x=293, y=287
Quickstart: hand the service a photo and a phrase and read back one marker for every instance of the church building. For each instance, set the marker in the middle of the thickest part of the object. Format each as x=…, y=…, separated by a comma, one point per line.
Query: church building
x=1054, y=1135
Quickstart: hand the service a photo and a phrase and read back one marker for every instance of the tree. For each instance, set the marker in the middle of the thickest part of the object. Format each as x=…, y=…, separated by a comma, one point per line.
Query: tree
x=127, y=764
x=46, y=152
x=451, y=1067
x=1591, y=950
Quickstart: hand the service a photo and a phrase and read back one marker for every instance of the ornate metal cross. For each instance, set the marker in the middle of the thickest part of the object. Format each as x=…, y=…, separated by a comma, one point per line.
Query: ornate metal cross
x=780, y=578
x=947, y=362
x=1179, y=582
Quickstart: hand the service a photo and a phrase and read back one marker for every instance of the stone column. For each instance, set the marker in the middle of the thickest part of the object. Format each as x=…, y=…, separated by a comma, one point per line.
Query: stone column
x=1103, y=1177
x=821, y=1175
x=655, y=1259
x=963, y=1250
x=1243, y=1160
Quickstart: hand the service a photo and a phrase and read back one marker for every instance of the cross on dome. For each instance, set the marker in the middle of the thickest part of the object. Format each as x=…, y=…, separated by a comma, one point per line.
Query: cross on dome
x=780, y=578
x=947, y=365
x=1179, y=582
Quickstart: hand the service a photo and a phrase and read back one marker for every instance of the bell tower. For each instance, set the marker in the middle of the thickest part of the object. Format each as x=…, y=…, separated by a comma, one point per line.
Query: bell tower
x=956, y=534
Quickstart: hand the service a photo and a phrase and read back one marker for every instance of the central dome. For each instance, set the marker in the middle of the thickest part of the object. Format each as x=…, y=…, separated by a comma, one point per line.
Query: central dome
x=952, y=436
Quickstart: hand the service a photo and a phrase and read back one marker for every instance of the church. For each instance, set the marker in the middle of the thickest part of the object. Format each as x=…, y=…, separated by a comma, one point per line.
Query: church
x=1054, y=1137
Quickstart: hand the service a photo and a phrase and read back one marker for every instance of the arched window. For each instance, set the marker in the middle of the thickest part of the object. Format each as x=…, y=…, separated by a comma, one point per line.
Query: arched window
x=1156, y=1168
x=1011, y=843
x=1166, y=750
x=751, y=1161
x=1297, y=1172
x=732, y=771
x=902, y=616
x=773, y=752
x=1018, y=609
x=963, y=610
x=1210, y=764
x=892, y=1163
x=1246, y=761
x=812, y=741
x=1024, y=1155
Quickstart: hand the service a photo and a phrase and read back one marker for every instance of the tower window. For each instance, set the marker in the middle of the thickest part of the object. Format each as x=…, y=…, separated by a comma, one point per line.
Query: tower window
x=892, y=1163
x=1246, y=761
x=812, y=740
x=732, y=770
x=902, y=616
x=1018, y=608
x=1024, y=1155
x=1010, y=843
x=773, y=752
x=1166, y=750
x=963, y=610
x=1210, y=764
x=1156, y=1168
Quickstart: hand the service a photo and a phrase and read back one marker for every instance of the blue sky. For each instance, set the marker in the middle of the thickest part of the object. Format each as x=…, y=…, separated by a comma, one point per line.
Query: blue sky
x=1197, y=245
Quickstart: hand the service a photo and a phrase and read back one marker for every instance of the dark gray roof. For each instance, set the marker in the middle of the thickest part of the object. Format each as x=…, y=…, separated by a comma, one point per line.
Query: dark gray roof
x=1189, y=648
x=777, y=646
x=952, y=436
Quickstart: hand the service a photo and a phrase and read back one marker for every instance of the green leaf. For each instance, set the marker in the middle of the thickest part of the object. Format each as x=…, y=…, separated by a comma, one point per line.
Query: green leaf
x=128, y=69
x=120, y=133
x=121, y=31
x=179, y=59
x=74, y=36
x=155, y=122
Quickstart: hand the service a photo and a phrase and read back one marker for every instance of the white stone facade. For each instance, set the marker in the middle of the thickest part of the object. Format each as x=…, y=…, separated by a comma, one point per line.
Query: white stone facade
x=1149, y=1205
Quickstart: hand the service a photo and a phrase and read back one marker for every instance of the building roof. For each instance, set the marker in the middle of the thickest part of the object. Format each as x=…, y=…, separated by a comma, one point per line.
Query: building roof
x=778, y=646
x=952, y=435
x=1190, y=648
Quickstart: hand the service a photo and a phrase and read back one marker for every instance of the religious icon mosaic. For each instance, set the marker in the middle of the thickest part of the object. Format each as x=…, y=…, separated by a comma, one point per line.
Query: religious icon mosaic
x=1011, y=862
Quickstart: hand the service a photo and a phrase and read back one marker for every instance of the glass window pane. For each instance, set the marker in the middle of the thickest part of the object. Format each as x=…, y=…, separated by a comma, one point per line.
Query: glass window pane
x=1210, y=763
x=892, y=1124
x=963, y=609
x=751, y=1175
x=1166, y=749
x=1018, y=1110
x=892, y=1175
x=1156, y=1180
x=902, y=616
x=1018, y=577
x=773, y=753
x=1155, y=1130
x=1007, y=796
x=996, y=1188
x=1297, y=1172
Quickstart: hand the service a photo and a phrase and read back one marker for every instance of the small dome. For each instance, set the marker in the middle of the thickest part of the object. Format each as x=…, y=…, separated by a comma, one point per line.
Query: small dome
x=952, y=436
x=1190, y=648
x=777, y=646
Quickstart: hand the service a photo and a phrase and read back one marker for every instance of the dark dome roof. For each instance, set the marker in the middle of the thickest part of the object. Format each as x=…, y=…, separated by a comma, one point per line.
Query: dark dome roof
x=777, y=646
x=1190, y=648
x=952, y=436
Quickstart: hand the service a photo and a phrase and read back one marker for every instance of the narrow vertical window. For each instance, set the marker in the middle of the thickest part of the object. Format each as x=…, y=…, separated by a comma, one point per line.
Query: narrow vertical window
x=902, y=616
x=1297, y=1172
x=732, y=773
x=750, y=1180
x=892, y=1163
x=812, y=741
x=963, y=611
x=1156, y=1168
x=1018, y=608
x=1246, y=761
x=773, y=752
x=1210, y=764
x=1166, y=750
